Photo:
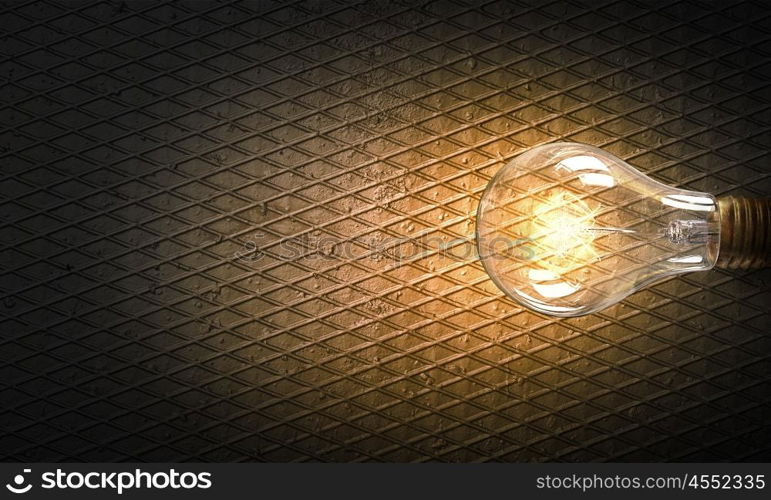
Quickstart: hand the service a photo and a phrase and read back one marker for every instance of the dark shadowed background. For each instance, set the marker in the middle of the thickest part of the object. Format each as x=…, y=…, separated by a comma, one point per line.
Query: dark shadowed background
x=221, y=226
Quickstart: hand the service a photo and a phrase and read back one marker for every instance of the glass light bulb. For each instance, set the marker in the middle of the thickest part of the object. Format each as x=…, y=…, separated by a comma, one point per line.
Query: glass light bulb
x=568, y=229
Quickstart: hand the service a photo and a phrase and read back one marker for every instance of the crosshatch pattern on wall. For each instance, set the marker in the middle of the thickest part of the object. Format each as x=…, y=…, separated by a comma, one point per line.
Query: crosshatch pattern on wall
x=244, y=231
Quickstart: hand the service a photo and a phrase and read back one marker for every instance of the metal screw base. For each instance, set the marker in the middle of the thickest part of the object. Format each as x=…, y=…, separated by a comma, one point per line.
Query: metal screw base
x=745, y=233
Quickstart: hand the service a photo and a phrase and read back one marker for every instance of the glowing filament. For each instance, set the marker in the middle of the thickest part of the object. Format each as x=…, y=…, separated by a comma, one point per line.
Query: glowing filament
x=561, y=225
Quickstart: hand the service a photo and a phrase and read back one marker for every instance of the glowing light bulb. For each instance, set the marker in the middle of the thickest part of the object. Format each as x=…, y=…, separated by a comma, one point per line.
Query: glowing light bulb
x=569, y=229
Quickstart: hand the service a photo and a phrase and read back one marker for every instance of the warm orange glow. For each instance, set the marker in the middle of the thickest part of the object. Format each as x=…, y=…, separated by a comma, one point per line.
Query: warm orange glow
x=561, y=232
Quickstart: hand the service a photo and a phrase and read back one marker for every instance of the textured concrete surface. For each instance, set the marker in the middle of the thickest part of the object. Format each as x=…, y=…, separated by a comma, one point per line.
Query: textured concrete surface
x=221, y=228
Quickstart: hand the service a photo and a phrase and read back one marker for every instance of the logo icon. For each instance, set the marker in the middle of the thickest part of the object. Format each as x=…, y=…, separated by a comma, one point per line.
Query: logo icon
x=18, y=480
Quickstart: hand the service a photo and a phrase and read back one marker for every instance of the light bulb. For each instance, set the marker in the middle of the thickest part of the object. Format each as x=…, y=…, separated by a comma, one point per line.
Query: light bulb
x=568, y=229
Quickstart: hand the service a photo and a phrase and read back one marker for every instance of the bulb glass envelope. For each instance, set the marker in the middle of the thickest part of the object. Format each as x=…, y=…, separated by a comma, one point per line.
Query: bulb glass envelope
x=568, y=229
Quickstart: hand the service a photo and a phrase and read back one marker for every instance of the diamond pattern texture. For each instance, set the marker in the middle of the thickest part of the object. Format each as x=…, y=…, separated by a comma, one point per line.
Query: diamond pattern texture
x=244, y=231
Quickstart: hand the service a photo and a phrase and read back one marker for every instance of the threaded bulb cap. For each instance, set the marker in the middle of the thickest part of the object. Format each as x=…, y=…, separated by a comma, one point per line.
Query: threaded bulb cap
x=745, y=233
